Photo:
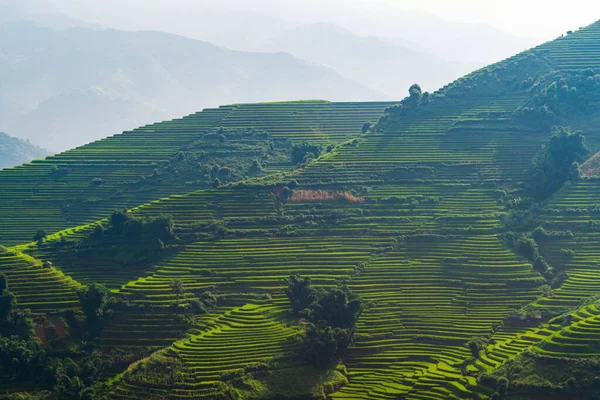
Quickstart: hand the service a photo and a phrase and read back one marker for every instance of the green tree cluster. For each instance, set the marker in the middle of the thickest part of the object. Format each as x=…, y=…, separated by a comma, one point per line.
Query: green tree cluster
x=94, y=300
x=331, y=316
x=557, y=162
x=301, y=152
x=7, y=299
x=416, y=98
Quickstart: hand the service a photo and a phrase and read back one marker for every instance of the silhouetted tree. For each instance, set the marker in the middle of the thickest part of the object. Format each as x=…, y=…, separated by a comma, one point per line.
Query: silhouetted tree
x=414, y=95
x=40, y=235
x=93, y=299
x=300, y=292
x=7, y=299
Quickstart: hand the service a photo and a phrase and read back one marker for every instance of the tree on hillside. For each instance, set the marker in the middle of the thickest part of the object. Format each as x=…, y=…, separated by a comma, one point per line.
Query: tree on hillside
x=7, y=300
x=7, y=303
x=414, y=95
x=415, y=98
x=476, y=344
x=331, y=315
x=93, y=299
x=12, y=322
x=323, y=343
x=299, y=292
x=118, y=219
x=338, y=306
x=553, y=165
x=303, y=151
x=40, y=235
x=98, y=231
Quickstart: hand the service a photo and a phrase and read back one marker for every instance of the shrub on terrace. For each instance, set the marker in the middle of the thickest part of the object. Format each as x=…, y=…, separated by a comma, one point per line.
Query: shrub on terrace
x=203, y=302
x=98, y=231
x=567, y=252
x=40, y=235
x=475, y=345
x=366, y=126
x=132, y=240
x=303, y=151
x=540, y=264
x=256, y=166
x=524, y=246
x=286, y=193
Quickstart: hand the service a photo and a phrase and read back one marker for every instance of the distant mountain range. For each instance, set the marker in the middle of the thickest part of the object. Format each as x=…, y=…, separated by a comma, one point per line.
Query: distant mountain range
x=245, y=25
x=385, y=67
x=67, y=87
x=15, y=151
x=65, y=82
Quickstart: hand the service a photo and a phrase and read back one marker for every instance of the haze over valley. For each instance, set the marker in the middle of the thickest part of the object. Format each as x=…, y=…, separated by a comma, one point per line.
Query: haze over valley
x=64, y=75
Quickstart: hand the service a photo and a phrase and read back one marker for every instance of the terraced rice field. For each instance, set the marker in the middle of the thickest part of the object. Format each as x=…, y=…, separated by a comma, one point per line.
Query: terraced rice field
x=34, y=198
x=37, y=288
x=239, y=337
x=574, y=52
x=255, y=265
x=416, y=236
x=430, y=299
x=314, y=122
x=580, y=338
x=572, y=209
x=509, y=342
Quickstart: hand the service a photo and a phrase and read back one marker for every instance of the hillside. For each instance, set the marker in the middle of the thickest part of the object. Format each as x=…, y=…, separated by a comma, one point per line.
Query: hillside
x=464, y=219
x=15, y=151
x=59, y=81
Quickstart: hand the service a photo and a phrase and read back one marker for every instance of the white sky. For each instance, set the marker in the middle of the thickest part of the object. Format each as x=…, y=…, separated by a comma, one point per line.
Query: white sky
x=533, y=18
x=540, y=19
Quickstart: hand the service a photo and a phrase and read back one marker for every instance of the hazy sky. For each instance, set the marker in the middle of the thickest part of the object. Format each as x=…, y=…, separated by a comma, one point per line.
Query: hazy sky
x=534, y=18
x=543, y=19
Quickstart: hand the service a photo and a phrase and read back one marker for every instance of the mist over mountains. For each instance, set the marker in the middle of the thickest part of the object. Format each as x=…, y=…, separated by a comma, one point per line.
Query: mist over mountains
x=69, y=87
x=69, y=78
x=384, y=66
x=15, y=151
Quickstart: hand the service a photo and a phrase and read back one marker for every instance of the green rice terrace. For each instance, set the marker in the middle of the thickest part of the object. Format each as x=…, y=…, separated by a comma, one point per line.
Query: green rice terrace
x=444, y=246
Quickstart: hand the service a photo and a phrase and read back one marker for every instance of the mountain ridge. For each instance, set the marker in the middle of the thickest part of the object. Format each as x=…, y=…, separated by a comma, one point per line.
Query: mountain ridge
x=14, y=151
x=197, y=73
